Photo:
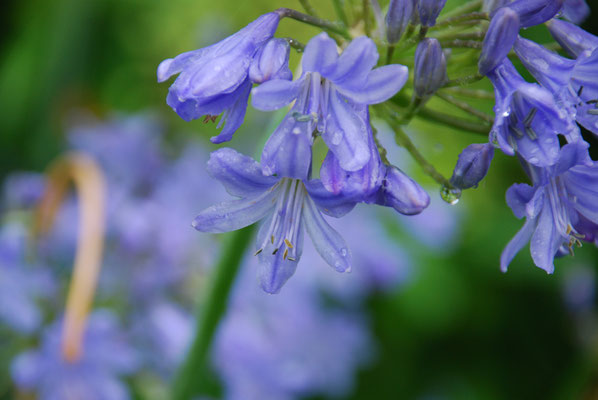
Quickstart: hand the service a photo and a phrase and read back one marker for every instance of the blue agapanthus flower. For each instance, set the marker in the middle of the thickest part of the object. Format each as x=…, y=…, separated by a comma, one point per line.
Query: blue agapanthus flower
x=574, y=83
x=96, y=375
x=571, y=37
x=286, y=205
x=527, y=119
x=216, y=80
x=328, y=84
x=563, y=199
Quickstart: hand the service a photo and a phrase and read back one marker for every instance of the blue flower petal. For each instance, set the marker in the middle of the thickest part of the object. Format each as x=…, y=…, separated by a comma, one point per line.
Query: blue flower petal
x=517, y=243
x=329, y=244
x=356, y=61
x=241, y=175
x=275, y=94
x=234, y=116
x=546, y=240
x=380, y=85
x=335, y=205
x=518, y=197
x=320, y=54
x=236, y=214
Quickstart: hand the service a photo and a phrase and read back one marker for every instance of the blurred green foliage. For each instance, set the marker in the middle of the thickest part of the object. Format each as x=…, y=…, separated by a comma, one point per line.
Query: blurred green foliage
x=460, y=330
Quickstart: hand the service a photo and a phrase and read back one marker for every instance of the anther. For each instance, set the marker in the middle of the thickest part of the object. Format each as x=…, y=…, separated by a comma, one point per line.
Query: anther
x=593, y=111
x=272, y=239
x=512, y=142
x=285, y=254
x=530, y=117
x=517, y=131
x=258, y=252
x=288, y=243
x=530, y=132
x=292, y=259
x=595, y=101
x=579, y=91
x=275, y=251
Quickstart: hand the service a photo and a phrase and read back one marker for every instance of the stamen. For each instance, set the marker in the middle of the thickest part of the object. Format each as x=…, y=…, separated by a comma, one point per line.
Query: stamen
x=595, y=101
x=285, y=254
x=272, y=239
x=530, y=117
x=530, y=132
x=258, y=252
x=289, y=244
x=579, y=91
x=512, y=142
x=292, y=259
x=593, y=111
x=275, y=251
x=517, y=131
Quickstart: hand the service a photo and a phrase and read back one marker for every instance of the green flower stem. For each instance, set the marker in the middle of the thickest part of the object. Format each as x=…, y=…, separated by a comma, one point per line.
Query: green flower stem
x=473, y=93
x=315, y=21
x=464, y=9
x=309, y=9
x=366, y=17
x=192, y=375
x=340, y=12
x=466, y=80
x=465, y=107
x=454, y=122
x=463, y=44
x=294, y=43
x=473, y=16
x=476, y=35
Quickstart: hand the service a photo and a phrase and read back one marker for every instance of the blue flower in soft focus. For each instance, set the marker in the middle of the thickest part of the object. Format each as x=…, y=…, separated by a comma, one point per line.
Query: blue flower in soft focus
x=22, y=190
x=571, y=37
x=288, y=348
x=21, y=284
x=216, y=79
x=323, y=94
x=560, y=196
x=527, y=120
x=106, y=358
x=574, y=83
x=287, y=206
x=397, y=18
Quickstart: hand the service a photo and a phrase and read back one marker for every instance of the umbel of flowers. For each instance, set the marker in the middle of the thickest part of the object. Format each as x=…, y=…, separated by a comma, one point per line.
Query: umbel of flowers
x=343, y=79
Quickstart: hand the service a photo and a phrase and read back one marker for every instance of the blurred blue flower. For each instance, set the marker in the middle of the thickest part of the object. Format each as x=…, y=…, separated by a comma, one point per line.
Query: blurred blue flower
x=106, y=358
x=397, y=18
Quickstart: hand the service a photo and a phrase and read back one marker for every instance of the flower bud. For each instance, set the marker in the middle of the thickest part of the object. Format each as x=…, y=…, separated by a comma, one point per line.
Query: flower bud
x=571, y=37
x=430, y=68
x=472, y=165
x=429, y=10
x=501, y=35
x=535, y=12
x=576, y=11
x=271, y=62
x=402, y=193
x=397, y=18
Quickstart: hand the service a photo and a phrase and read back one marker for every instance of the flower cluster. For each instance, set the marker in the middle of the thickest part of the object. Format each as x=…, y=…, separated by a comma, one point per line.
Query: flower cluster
x=330, y=100
x=534, y=120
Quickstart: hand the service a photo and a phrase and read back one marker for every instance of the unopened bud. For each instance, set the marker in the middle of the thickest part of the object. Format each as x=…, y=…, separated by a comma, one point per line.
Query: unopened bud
x=397, y=18
x=472, y=165
x=402, y=193
x=271, y=62
x=535, y=12
x=430, y=68
x=571, y=37
x=429, y=11
x=499, y=40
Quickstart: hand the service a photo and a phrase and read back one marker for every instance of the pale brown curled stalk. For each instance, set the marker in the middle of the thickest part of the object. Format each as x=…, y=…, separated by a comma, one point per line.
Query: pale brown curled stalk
x=89, y=184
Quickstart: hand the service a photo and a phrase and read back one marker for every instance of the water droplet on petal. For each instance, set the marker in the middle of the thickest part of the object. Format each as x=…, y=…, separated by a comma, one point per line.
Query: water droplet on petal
x=450, y=195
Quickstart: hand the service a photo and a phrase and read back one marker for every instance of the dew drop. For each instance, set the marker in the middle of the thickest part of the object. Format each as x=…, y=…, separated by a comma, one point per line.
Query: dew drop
x=296, y=130
x=344, y=252
x=336, y=138
x=450, y=195
x=533, y=160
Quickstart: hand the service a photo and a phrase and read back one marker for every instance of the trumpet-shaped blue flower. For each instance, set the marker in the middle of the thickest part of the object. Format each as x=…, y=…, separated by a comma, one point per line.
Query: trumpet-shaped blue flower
x=535, y=12
x=323, y=92
x=527, y=120
x=574, y=83
x=286, y=206
x=216, y=80
x=563, y=199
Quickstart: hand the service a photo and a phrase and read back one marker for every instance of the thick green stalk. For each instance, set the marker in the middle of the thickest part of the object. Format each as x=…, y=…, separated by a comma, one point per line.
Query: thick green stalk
x=192, y=375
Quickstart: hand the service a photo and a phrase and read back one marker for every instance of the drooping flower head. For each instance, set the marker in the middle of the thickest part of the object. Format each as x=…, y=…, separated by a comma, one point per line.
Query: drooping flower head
x=217, y=79
x=563, y=198
x=328, y=84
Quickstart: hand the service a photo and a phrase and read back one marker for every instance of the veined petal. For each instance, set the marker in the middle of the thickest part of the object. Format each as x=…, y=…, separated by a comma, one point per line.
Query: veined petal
x=234, y=116
x=518, y=197
x=381, y=84
x=288, y=151
x=356, y=61
x=275, y=268
x=329, y=244
x=172, y=66
x=275, y=94
x=241, y=175
x=346, y=134
x=236, y=214
x=545, y=241
x=517, y=243
x=320, y=54
x=335, y=205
